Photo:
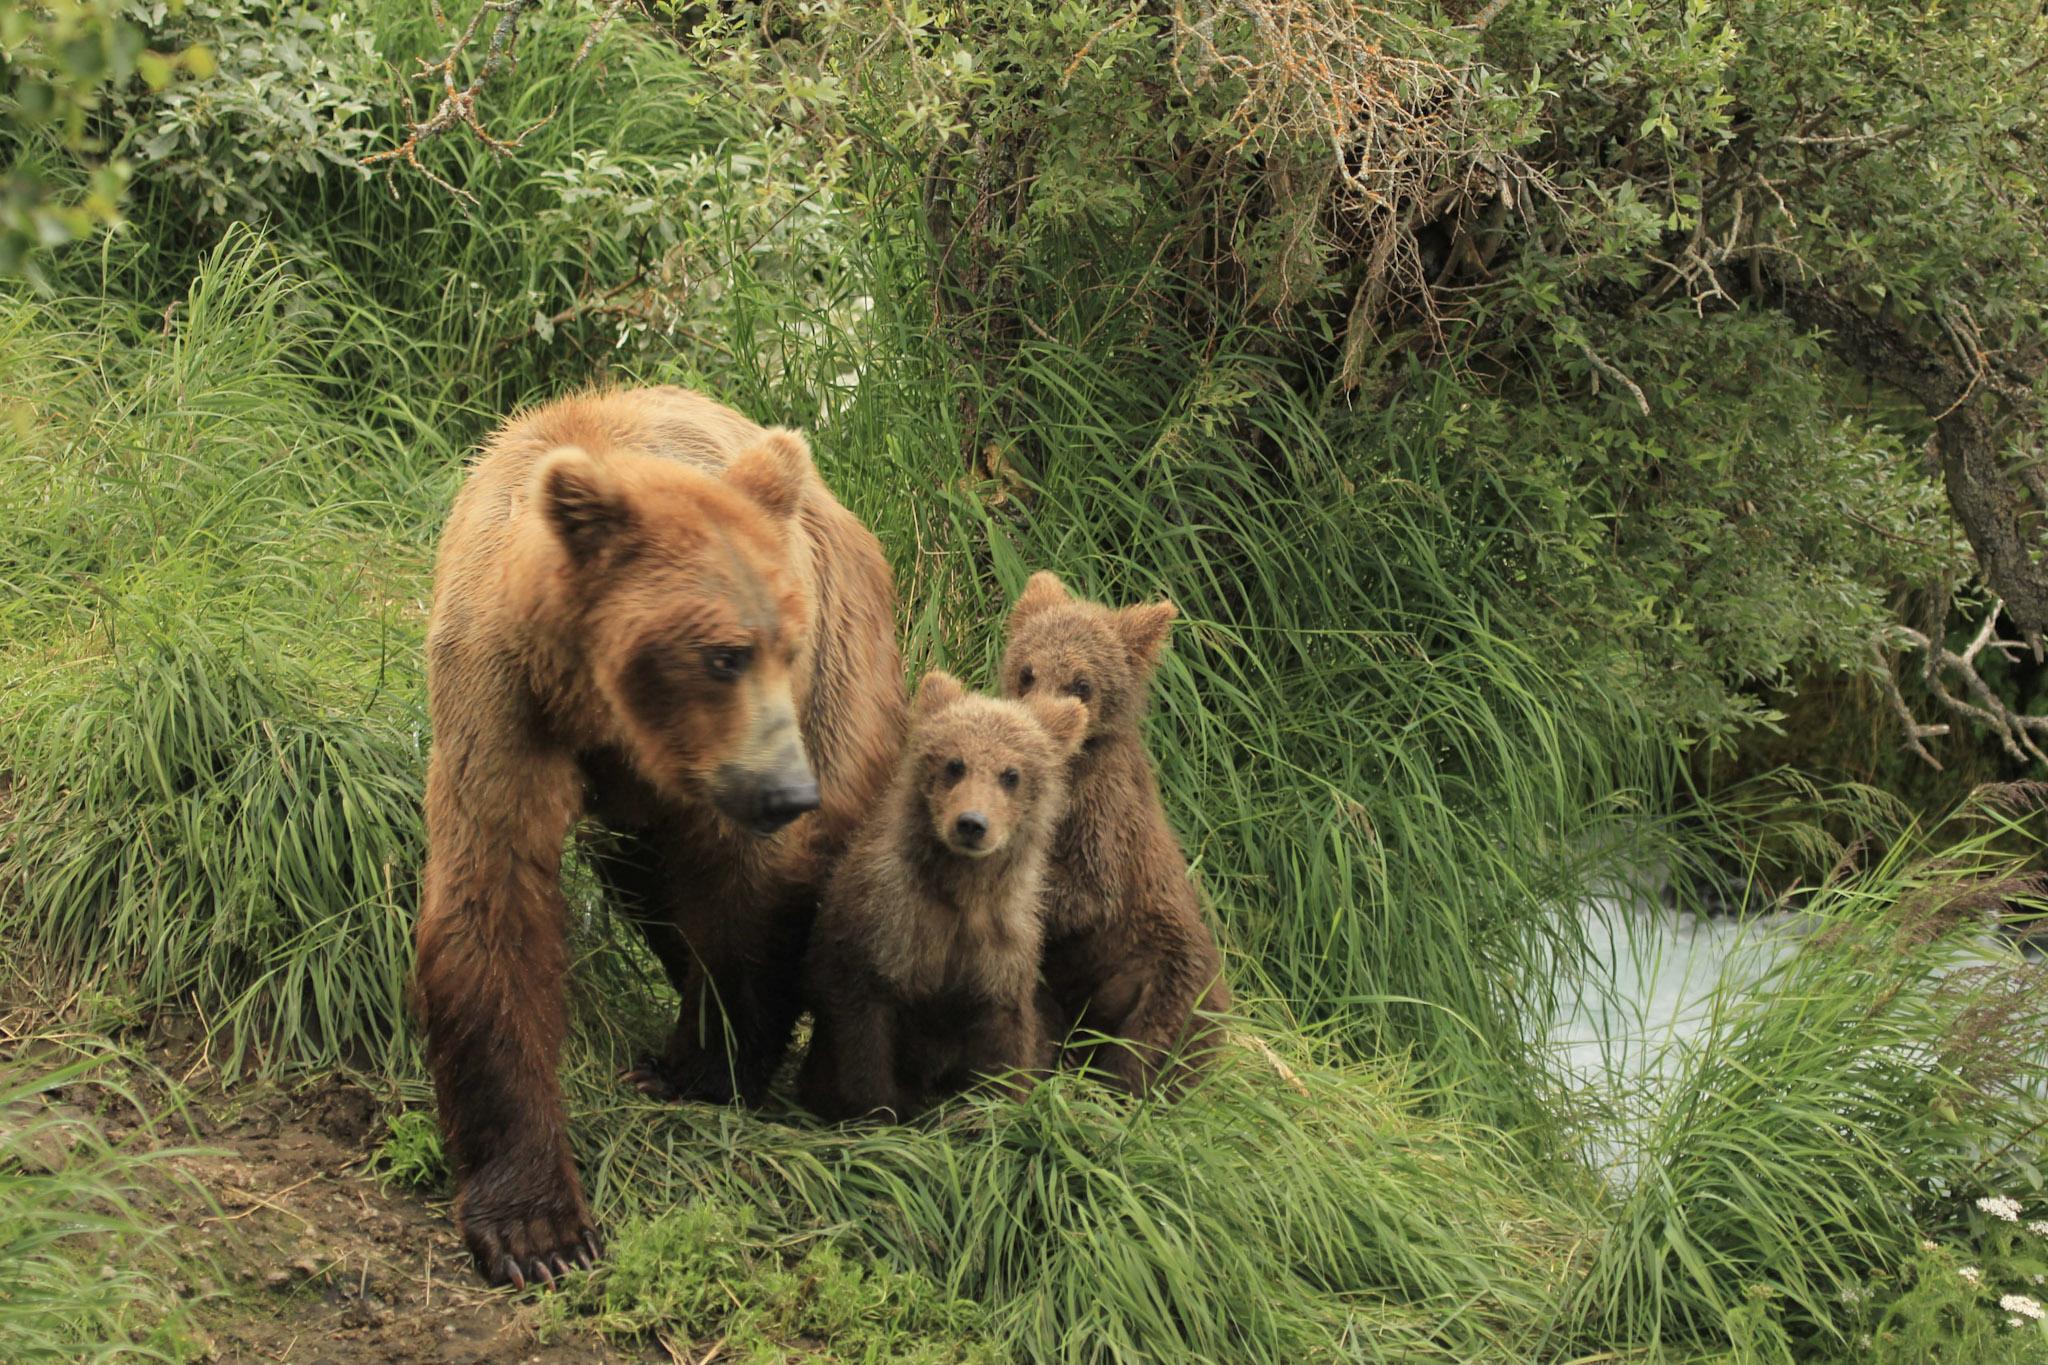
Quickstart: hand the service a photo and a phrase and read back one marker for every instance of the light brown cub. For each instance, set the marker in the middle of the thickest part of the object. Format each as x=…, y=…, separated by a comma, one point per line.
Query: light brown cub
x=1126, y=952
x=923, y=964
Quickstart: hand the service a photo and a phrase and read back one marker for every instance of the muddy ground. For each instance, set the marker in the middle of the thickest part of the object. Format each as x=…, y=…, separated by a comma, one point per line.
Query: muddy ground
x=294, y=1252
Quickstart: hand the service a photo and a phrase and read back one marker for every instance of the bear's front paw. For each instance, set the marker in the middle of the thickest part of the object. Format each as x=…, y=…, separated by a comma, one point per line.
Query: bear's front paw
x=522, y=1242
x=707, y=1082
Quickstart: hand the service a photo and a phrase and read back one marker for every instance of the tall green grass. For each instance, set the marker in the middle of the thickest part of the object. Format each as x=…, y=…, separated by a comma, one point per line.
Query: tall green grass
x=80, y=1268
x=1831, y=1110
x=1254, y=1221
x=212, y=672
x=224, y=457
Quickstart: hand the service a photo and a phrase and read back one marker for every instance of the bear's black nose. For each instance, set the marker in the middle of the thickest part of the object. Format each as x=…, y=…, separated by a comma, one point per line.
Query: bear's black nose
x=782, y=804
x=970, y=827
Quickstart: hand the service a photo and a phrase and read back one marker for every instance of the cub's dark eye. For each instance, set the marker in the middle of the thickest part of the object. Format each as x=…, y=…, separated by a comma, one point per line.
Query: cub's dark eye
x=1010, y=778
x=1025, y=679
x=955, y=770
x=725, y=664
x=1080, y=690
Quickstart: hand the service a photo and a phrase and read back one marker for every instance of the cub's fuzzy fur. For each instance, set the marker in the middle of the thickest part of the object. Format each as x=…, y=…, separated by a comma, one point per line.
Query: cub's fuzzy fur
x=1127, y=955
x=923, y=963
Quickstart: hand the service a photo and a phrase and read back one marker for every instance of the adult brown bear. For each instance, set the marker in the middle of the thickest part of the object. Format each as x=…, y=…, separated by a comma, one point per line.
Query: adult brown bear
x=650, y=611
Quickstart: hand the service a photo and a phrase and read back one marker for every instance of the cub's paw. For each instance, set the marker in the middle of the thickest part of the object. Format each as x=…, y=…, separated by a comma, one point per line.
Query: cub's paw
x=531, y=1242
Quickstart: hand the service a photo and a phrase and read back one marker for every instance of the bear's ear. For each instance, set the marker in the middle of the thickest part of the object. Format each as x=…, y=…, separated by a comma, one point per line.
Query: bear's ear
x=1064, y=718
x=1143, y=630
x=773, y=473
x=1043, y=589
x=585, y=508
x=938, y=690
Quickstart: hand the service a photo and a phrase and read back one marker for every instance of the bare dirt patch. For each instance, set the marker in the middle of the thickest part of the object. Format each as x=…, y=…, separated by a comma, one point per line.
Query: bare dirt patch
x=292, y=1251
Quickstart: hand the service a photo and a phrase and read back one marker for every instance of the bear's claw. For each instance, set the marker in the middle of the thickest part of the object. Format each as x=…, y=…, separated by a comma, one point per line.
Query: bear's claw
x=520, y=1252
x=658, y=1080
x=651, y=1080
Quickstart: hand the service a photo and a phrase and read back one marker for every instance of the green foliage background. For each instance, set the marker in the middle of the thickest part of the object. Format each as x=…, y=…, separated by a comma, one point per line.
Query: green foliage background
x=1472, y=627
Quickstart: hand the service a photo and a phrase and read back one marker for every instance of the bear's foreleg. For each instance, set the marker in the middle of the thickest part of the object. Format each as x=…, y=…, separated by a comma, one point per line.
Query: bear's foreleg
x=851, y=1070
x=739, y=1002
x=490, y=982
x=1166, y=1036
x=1010, y=1045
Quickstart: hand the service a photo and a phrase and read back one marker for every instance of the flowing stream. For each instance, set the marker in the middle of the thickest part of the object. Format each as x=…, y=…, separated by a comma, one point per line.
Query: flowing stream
x=1625, y=1026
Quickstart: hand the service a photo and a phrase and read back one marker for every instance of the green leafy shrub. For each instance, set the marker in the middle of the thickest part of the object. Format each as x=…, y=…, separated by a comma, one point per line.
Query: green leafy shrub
x=59, y=65
x=291, y=100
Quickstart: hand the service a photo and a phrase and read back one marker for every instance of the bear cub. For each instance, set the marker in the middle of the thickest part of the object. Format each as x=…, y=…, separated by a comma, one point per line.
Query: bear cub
x=1127, y=956
x=923, y=964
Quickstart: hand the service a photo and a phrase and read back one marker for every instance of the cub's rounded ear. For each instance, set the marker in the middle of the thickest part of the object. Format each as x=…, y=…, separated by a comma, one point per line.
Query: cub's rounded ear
x=938, y=689
x=1064, y=718
x=581, y=502
x=1043, y=589
x=1143, y=630
x=774, y=471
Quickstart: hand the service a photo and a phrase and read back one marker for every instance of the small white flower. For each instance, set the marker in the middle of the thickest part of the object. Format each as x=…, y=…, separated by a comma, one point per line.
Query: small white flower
x=2013, y=1322
x=2021, y=1304
x=1971, y=1275
x=1998, y=1206
x=1851, y=1294
x=2039, y=1227
x=1863, y=1342
x=1926, y=1245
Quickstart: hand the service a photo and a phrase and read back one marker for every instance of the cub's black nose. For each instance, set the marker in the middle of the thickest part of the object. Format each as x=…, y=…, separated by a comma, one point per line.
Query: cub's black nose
x=780, y=805
x=970, y=827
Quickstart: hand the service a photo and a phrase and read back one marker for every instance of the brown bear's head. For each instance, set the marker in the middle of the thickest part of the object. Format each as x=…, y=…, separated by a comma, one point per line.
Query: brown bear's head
x=1101, y=656
x=687, y=619
x=990, y=773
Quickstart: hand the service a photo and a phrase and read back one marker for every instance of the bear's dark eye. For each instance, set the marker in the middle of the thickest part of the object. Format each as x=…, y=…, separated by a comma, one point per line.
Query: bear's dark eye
x=1025, y=679
x=726, y=663
x=1010, y=778
x=955, y=769
x=1080, y=690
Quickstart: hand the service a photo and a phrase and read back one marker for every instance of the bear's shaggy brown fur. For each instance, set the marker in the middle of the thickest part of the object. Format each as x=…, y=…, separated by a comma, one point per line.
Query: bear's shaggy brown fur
x=923, y=967
x=1127, y=955
x=650, y=611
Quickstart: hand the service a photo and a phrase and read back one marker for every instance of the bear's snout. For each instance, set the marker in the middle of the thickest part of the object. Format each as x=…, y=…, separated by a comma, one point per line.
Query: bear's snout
x=766, y=800
x=782, y=804
x=972, y=833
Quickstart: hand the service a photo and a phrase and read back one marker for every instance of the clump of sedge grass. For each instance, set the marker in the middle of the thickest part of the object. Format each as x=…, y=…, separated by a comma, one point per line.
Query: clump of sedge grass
x=1321, y=1216
x=212, y=708
x=79, y=1257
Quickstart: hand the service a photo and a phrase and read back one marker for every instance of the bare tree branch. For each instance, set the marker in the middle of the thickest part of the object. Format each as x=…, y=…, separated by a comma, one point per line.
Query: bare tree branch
x=2020, y=734
x=458, y=102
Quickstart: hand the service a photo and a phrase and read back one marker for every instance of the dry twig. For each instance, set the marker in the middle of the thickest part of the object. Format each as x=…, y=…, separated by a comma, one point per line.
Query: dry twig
x=2020, y=734
x=458, y=102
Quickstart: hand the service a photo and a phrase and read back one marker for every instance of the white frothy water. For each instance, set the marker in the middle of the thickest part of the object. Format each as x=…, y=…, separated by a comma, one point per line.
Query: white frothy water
x=1649, y=995
x=1654, y=979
